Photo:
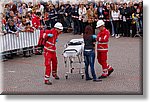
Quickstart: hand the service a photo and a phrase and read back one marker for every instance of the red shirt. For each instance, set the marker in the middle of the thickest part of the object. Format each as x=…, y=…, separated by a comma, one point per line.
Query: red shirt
x=50, y=41
x=36, y=21
x=102, y=40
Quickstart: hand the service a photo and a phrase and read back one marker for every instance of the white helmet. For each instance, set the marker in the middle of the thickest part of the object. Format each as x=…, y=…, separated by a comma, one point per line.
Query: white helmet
x=58, y=25
x=100, y=23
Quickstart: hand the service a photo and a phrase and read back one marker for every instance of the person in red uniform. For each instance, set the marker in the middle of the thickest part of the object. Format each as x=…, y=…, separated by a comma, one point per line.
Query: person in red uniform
x=50, y=37
x=102, y=49
x=36, y=20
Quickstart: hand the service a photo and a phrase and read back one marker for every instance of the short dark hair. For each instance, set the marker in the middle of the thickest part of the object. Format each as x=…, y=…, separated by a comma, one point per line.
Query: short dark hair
x=38, y=13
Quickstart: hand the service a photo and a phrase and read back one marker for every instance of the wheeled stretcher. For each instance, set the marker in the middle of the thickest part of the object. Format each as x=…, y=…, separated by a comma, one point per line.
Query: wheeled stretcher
x=73, y=54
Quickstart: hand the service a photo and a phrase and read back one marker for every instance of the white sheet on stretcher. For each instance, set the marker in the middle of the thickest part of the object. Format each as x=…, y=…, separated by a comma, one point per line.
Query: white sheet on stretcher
x=77, y=40
x=73, y=53
x=72, y=48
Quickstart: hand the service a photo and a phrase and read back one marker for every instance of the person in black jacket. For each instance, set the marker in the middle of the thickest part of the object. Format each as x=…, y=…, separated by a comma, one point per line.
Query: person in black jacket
x=100, y=10
x=107, y=15
x=68, y=15
x=89, y=52
x=52, y=16
x=75, y=18
x=125, y=12
x=11, y=27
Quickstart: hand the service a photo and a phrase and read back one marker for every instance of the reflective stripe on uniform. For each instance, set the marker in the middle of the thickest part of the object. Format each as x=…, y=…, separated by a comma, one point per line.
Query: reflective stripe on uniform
x=105, y=71
x=105, y=36
x=102, y=49
x=87, y=50
x=102, y=43
x=106, y=20
x=109, y=67
x=44, y=34
x=50, y=43
x=46, y=77
x=49, y=49
x=99, y=39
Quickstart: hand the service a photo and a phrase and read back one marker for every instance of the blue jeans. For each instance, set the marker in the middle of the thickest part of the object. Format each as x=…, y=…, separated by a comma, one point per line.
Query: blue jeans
x=89, y=59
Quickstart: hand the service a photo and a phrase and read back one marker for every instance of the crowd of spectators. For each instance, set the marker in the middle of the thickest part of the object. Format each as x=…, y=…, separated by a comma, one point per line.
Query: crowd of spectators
x=120, y=18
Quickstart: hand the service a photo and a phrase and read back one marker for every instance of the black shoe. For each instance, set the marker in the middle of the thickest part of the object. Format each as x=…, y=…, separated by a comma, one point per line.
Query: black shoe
x=97, y=80
x=109, y=72
x=101, y=77
x=88, y=79
x=39, y=53
x=57, y=78
x=27, y=56
x=48, y=83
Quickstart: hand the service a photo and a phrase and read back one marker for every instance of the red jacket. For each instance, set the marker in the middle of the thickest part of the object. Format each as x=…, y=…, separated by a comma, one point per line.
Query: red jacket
x=46, y=16
x=35, y=21
x=102, y=40
x=50, y=41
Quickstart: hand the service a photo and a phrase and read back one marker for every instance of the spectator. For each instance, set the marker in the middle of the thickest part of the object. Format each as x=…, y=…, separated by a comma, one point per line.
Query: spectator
x=15, y=18
x=13, y=7
x=115, y=13
x=61, y=15
x=22, y=26
x=56, y=12
x=28, y=27
x=52, y=16
x=100, y=10
x=68, y=15
x=36, y=20
x=141, y=16
x=107, y=15
x=30, y=5
x=3, y=24
x=11, y=27
x=125, y=12
x=11, y=15
x=136, y=17
x=75, y=16
x=24, y=9
x=82, y=17
x=19, y=8
x=90, y=17
x=19, y=17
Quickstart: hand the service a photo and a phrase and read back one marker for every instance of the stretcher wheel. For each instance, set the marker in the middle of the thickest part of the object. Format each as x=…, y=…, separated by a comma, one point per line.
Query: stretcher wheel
x=82, y=76
x=66, y=77
x=72, y=70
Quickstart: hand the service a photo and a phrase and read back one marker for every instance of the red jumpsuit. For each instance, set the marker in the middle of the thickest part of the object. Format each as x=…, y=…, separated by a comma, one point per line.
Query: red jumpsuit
x=36, y=21
x=102, y=49
x=50, y=53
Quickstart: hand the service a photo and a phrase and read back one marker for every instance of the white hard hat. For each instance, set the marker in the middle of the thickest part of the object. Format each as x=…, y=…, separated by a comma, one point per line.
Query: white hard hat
x=100, y=23
x=58, y=25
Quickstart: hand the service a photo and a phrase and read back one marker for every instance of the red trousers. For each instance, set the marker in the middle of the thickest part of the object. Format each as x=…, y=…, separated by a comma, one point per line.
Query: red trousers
x=102, y=59
x=50, y=63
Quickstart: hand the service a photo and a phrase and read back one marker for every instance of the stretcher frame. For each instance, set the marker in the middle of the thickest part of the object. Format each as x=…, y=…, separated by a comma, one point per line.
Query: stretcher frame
x=69, y=61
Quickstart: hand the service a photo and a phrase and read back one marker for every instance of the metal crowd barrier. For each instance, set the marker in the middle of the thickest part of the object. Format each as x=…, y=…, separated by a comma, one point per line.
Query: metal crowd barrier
x=10, y=42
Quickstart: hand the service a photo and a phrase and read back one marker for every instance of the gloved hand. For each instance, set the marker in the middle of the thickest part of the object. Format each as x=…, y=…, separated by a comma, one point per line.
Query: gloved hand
x=94, y=36
x=50, y=35
x=56, y=40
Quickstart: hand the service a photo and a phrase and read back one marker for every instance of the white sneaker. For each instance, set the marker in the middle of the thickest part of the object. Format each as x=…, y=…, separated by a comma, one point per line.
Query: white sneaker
x=117, y=36
x=113, y=35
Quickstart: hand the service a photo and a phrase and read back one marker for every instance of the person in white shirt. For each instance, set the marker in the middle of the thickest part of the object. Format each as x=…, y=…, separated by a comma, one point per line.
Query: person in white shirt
x=82, y=17
x=115, y=13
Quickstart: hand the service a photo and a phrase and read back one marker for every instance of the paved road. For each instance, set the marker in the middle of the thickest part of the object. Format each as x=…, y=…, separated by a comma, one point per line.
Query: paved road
x=25, y=75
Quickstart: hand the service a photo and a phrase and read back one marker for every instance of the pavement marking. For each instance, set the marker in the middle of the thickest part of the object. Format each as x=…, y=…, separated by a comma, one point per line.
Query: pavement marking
x=27, y=62
x=11, y=71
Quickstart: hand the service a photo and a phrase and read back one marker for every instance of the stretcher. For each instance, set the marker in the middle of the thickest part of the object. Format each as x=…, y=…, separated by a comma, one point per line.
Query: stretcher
x=73, y=54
